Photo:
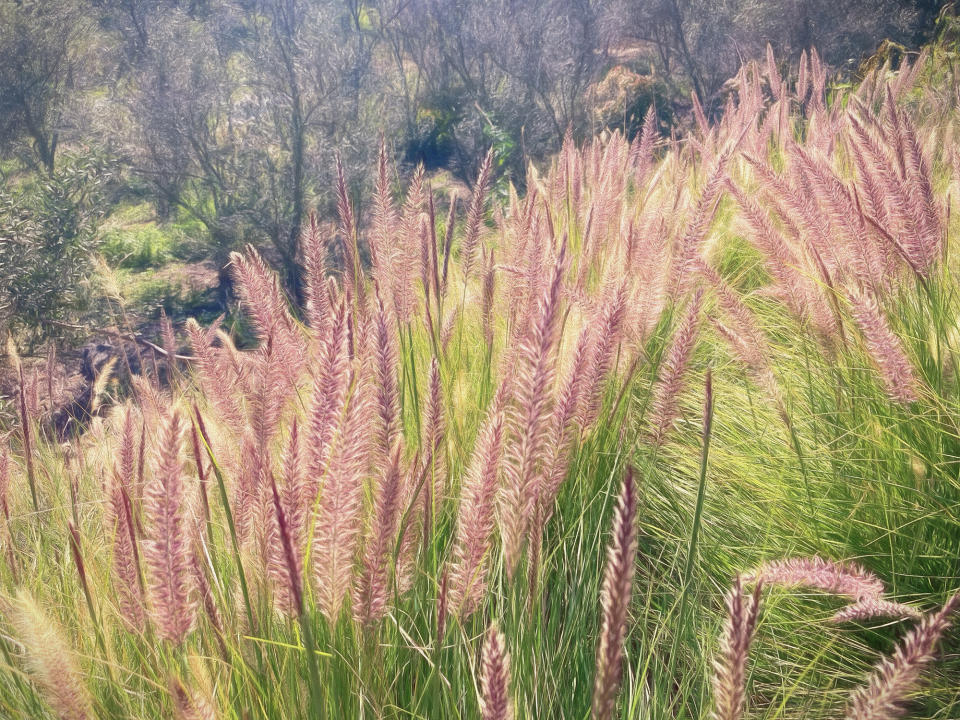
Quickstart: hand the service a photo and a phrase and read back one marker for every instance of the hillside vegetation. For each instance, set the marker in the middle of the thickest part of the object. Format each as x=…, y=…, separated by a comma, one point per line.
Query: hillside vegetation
x=178, y=131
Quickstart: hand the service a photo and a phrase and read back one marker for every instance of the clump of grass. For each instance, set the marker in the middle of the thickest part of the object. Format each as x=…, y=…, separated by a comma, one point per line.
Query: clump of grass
x=442, y=445
x=137, y=248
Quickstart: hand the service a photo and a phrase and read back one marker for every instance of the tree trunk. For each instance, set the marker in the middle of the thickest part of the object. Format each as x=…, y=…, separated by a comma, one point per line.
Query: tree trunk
x=689, y=65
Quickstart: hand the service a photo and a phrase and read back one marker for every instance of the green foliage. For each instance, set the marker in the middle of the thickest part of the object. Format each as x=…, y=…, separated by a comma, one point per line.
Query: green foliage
x=504, y=147
x=432, y=138
x=48, y=235
x=138, y=249
x=41, y=67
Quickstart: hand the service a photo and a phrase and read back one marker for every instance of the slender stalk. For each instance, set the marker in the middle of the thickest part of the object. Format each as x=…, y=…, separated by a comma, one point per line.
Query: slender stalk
x=225, y=500
x=697, y=518
x=27, y=445
x=75, y=551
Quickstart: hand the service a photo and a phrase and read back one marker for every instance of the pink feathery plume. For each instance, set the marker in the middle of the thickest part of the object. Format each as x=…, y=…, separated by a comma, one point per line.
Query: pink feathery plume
x=755, y=344
x=799, y=215
x=266, y=405
x=528, y=264
x=247, y=492
x=495, y=702
x=893, y=132
x=202, y=471
x=128, y=583
x=578, y=404
x=702, y=124
x=745, y=338
x=805, y=225
x=188, y=704
x=641, y=150
x=489, y=288
x=446, y=330
x=385, y=365
x=433, y=452
x=356, y=329
x=448, y=243
x=870, y=179
x=468, y=249
x=895, y=678
x=405, y=251
x=608, y=338
x=803, y=78
x=411, y=528
x=385, y=218
x=5, y=480
x=847, y=579
x=855, y=250
x=262, y=297
x=773, y=74
x=329, y=395
x=428, y=244
x=884, y=348
x=166, y=547
x=563, y=422
x=372, y=585
x=870, y=608
x=49, y=659
x=615, y=600
x=338, y=521
x=749, y=348
x=809, y=212
x=126, y=469
x=268, y=395
x=352, y=272
x=920, y=197
x=7, y=539
x=151, y=399
x=780, y=260
x=315, y=266
x=909, y=72
x=672, y=372
x=818, y=83
x=523, y=452
x=294, y=486
x=730, y=666
x=218, y=378
x=697, y=230
x=889, y=212
x=475, y=520
x=288, y=516
x=291, y=578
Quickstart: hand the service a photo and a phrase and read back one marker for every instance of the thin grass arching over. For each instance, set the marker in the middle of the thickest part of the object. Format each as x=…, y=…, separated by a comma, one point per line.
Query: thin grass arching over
x=513, y=451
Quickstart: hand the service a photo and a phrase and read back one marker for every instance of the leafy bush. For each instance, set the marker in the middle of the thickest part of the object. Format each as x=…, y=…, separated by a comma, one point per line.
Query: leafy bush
x=48, y=234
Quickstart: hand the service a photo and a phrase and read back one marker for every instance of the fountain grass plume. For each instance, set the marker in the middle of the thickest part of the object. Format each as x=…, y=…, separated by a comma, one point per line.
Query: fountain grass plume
x=615, y=600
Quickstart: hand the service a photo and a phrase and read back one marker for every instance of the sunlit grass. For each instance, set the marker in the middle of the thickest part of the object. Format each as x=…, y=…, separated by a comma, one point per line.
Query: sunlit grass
x=837, y=470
